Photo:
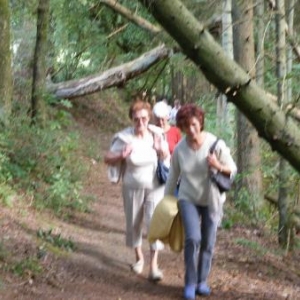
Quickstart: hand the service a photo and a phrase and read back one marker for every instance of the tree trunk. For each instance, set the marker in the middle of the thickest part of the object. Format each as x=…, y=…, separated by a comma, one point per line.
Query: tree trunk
x=116, y=76
x=196, y=42
x=290, y=17
x=227, y=45
x=38, y=110
x=260, y=47
x=191, y=89
x=5, y=63
x=248, y=146
x=281, y=98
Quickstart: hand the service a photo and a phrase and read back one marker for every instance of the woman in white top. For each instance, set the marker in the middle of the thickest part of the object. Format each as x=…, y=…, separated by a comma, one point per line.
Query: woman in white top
x=135, y=151
x=200, y=201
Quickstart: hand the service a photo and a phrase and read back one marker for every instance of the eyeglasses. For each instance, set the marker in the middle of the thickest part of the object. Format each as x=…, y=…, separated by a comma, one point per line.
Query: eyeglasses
x=143, y=119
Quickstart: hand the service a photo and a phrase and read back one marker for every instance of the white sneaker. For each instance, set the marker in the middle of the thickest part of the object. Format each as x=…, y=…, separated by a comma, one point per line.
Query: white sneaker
x=138, y=267
x=155, y=275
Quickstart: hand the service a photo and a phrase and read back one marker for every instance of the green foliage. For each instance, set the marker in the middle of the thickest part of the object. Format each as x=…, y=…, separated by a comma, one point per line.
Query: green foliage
x=3, y=252
x=81, y=42
x=29, y=266
x=6, y=194
x=42, y=161
x=227, y=223
x=252, y=245
x=56, y=240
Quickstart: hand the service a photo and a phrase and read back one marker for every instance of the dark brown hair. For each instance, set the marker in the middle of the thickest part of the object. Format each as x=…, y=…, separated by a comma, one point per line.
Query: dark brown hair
x=188, y=111
x=139, y=104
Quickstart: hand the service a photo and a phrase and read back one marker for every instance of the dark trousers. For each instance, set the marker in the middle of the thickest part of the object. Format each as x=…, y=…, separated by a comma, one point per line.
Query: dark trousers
x=200, y=236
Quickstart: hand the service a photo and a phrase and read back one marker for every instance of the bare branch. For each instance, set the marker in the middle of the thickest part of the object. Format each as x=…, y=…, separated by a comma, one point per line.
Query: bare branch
x=125, y=12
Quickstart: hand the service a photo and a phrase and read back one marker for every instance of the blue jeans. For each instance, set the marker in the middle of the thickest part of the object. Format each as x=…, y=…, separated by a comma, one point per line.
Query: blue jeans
x=200, y=236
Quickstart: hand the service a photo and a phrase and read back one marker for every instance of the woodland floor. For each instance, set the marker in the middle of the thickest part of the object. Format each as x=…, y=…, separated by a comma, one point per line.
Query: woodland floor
x=247, y=264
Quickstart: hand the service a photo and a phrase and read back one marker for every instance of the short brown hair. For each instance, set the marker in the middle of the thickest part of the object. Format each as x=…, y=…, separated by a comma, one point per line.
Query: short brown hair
x=188, y=111
x=139, y=104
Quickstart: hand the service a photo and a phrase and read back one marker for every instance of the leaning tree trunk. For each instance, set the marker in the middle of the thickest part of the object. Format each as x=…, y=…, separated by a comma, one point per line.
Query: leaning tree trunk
x=5, y=63
x=38, y=109
x=271, y=121
x=248, y=146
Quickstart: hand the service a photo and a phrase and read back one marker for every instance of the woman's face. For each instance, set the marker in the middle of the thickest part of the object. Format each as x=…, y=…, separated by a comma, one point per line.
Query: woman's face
x=161, y=122
x=140, y=120
x=193, y=128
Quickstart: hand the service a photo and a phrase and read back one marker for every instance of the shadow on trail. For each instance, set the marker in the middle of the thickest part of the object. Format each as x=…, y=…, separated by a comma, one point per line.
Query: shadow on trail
x=90, y=224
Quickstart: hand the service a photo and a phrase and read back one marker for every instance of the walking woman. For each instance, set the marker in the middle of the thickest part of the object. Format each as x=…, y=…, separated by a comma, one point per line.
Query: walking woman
x=161, y=119
x=200, y=201
x=134, y=152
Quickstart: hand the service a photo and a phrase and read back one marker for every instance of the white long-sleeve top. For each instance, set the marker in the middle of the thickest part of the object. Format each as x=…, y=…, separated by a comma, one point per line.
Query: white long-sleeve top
x=140, y=166
x=192, y=168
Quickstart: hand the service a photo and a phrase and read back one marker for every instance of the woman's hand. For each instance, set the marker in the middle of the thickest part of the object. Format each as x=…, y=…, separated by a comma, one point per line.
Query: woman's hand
x=111, y=158
x=157, y=142
x=158, y=145
x=213, y=162
x=126, y=151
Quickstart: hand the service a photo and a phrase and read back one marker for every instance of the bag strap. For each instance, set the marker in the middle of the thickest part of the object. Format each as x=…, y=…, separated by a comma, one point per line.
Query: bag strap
x=213, y=146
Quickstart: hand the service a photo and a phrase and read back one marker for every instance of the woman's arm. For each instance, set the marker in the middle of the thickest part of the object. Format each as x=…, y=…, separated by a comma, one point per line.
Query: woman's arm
x=223, y=161
x=213, y=162
x=112, y=157
x=173, y=175
x=161, y=146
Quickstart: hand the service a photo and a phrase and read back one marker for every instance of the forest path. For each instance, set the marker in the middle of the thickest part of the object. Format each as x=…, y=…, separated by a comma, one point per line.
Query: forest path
x=245, y=264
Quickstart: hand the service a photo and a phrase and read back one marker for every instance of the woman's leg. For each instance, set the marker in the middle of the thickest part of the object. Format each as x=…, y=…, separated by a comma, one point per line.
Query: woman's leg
x=134, y=212
x=153, y=260
x=208, y=231
x=153, y=197
x=191, y=224
x=139, y=256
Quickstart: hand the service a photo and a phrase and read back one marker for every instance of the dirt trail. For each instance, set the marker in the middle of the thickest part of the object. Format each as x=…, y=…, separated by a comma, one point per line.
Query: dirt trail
x=99, y=268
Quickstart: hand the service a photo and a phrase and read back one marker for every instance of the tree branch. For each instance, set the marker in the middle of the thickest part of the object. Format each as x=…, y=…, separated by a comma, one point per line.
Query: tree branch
x=125, y=12
x=113, y=77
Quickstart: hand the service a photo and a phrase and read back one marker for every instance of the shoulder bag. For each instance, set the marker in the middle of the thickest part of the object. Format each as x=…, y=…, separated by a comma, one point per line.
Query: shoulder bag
x=223, y=182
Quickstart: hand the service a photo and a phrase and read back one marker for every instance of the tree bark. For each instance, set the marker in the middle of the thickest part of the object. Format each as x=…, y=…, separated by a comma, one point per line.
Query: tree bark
x=227, y=45
x=116, y=76
x=5, y=63
x=39, y=67
x=270, y=121
x=281, y=98
x=260, y=52
x=248, y=154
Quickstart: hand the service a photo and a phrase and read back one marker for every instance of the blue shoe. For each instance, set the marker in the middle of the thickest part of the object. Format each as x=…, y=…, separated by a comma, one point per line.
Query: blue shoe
x=203, y=289
x=189, y=292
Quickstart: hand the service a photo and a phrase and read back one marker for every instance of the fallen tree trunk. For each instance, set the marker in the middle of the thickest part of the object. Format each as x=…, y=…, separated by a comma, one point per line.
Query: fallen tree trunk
x=113, y=77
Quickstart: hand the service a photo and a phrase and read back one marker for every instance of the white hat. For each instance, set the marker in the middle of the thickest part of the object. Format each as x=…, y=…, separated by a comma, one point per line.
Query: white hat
x=161, y=110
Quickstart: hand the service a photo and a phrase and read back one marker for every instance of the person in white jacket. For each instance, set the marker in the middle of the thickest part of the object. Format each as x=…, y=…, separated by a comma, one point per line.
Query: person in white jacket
x=199, y=199
x=133, y=157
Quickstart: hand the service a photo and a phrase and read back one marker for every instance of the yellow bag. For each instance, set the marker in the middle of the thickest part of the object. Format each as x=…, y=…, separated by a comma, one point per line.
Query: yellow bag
x=166, y=224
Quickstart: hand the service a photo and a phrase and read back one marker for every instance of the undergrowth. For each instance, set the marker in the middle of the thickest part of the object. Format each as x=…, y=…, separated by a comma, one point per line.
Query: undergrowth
x=54, y=239
x=41, y=163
